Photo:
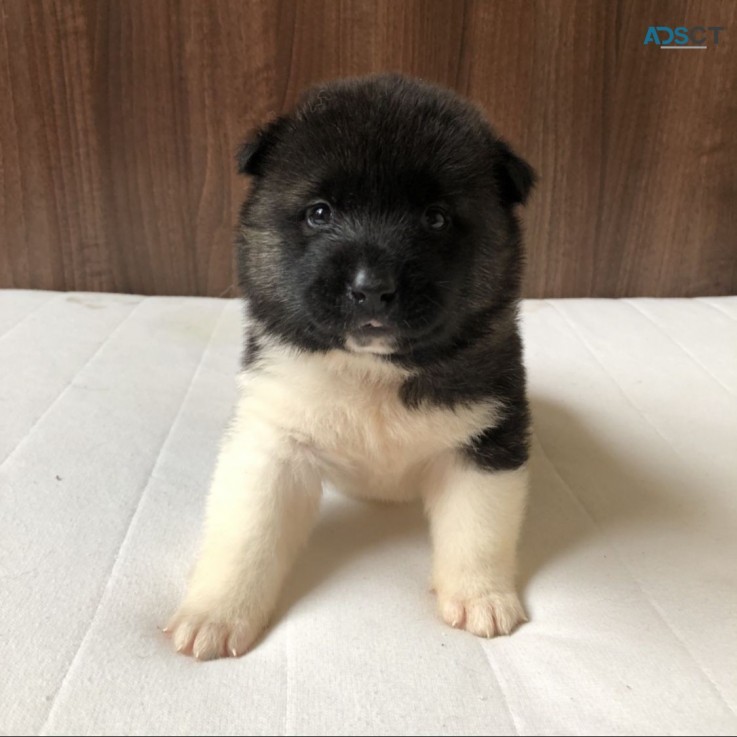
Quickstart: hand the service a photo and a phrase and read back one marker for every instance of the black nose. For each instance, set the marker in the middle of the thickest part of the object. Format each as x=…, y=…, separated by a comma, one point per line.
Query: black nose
x=372, y=289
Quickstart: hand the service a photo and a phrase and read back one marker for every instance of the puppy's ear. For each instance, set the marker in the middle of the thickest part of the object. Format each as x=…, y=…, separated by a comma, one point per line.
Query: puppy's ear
x=253, y=152
x=514, y=175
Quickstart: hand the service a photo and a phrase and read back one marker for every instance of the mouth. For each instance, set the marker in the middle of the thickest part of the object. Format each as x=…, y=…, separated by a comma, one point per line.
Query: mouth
x=374, y=327
x=372, y=336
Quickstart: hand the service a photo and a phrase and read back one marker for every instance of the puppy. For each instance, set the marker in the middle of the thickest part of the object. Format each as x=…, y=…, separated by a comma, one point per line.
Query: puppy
x=380, y=259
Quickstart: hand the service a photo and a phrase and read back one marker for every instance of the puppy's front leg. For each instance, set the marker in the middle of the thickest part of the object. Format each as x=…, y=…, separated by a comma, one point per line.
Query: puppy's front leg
x=475, y=518
x=262, y=505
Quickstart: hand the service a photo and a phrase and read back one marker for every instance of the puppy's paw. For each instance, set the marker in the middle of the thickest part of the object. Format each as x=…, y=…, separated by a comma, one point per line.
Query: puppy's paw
x=486, y=615
x=212, y=634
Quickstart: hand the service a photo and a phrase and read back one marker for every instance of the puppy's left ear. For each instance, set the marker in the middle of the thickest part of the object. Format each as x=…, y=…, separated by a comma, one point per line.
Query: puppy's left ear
x=514, y=175
x=254, y=151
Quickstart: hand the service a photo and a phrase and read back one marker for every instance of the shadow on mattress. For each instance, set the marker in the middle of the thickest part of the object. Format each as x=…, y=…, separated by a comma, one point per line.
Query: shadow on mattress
x=584, y=486
x=594, y=478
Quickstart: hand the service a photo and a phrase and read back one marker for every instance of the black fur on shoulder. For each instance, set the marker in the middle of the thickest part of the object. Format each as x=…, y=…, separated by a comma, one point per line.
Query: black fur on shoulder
x=382, y=219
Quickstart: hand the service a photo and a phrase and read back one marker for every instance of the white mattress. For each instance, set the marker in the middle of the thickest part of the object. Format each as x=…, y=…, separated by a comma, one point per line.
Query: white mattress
x=111, y=409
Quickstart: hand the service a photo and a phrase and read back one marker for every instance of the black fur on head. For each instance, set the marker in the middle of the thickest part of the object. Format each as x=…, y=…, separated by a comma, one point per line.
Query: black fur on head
x=382, y=208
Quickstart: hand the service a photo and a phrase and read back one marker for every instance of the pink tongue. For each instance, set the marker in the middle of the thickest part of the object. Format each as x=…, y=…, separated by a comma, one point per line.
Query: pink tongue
x=375, y=324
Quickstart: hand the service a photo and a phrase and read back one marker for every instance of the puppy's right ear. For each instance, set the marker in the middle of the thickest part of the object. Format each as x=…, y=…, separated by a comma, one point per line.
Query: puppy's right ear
x=254, y=151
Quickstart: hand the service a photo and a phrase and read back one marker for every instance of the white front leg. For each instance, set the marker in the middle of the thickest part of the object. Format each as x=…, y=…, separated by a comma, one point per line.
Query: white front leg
x=262, y=505
x=475, y=519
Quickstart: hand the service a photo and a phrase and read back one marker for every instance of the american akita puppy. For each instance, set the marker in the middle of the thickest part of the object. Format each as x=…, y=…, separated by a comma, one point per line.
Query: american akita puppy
x=380, y=259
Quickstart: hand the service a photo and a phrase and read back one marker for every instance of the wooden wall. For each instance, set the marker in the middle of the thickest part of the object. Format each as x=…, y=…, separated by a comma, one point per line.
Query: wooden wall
x=118, y=120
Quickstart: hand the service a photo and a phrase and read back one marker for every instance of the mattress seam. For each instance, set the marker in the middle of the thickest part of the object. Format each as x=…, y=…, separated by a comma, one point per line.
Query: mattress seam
x=614, y=381
x=70, y=383
x=633, y=578
x=131, y=524
x=716, y=308
x=678, y=344
x=287, y=678
x=502, y=690
x=33, y=311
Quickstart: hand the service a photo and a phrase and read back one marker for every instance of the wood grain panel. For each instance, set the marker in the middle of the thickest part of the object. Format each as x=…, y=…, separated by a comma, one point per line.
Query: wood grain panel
x=668, y=214
x=118, y=120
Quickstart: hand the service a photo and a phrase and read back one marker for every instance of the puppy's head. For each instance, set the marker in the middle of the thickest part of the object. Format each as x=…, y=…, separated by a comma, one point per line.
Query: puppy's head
x=380, y=220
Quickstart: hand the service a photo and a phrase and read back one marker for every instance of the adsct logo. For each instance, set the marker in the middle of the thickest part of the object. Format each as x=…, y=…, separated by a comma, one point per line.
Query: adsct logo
x=680, y=37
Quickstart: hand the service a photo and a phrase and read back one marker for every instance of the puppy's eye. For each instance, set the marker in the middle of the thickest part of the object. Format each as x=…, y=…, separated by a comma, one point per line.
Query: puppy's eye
x=319, y=215
x=435, y=218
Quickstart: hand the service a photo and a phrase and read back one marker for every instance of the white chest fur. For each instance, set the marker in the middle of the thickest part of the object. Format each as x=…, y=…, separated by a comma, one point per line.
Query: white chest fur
x=345, y=409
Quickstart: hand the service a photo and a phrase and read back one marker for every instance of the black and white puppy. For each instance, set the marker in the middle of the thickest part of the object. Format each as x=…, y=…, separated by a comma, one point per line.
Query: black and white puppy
x=380, y=259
